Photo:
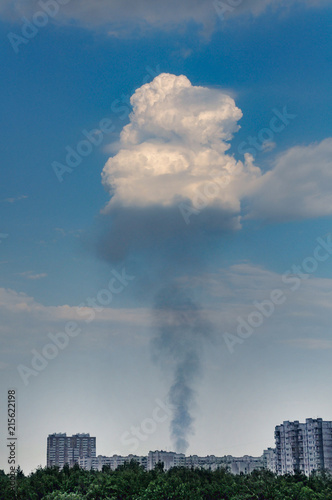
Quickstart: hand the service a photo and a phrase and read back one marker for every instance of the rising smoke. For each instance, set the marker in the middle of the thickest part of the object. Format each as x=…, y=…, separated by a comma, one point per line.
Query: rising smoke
x=181, y=331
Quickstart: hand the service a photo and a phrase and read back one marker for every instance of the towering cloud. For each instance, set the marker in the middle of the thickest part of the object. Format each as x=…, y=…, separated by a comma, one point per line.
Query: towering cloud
x=174, y=145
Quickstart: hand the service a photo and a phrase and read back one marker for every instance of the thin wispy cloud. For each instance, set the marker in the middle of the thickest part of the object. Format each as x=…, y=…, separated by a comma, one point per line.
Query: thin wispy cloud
x=64, y=232
x=19, y=302
x=29, y=275
x=21, y=312
x=14, y=199
x=239, y=290
x=311, y=344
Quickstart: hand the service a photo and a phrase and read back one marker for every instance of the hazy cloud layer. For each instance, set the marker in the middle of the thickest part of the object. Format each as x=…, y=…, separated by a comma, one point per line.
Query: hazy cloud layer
x=26, y=323
x=123, y=16
x=18, y=302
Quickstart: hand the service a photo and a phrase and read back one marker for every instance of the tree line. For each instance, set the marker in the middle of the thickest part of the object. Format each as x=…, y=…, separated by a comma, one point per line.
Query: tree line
x=131, y=481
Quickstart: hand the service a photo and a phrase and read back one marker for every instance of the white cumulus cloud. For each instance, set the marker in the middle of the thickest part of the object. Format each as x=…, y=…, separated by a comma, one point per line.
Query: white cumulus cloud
x=175, y=145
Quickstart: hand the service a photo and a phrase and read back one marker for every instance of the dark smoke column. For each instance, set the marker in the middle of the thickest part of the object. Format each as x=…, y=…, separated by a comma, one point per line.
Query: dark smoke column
x=181, y=333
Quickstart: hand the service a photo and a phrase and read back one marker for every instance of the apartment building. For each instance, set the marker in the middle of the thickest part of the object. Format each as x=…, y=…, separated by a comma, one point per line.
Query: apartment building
x=63, y=449
x=112, y=462
x=168, y=458
x=303, y=447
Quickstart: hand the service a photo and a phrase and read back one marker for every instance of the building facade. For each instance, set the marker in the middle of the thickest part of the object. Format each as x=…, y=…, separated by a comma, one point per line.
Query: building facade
x=269, y=459
x=303, y=447
x=236, y=465
x=112, y=462
x=168, y=458
x=63, y=449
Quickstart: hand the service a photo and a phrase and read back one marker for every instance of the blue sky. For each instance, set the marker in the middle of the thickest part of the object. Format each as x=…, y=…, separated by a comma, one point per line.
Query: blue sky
x=81, y=69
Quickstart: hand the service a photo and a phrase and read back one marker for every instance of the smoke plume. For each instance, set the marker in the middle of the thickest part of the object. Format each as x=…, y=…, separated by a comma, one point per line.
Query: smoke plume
x=181, y=331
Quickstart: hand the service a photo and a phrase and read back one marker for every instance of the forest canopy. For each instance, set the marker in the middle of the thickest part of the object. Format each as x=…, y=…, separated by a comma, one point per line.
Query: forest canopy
x=131, y=481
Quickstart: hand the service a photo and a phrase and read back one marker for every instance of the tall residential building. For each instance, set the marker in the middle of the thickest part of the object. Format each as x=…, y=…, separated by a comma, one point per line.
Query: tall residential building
x=303, y=447
x=63, y=449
